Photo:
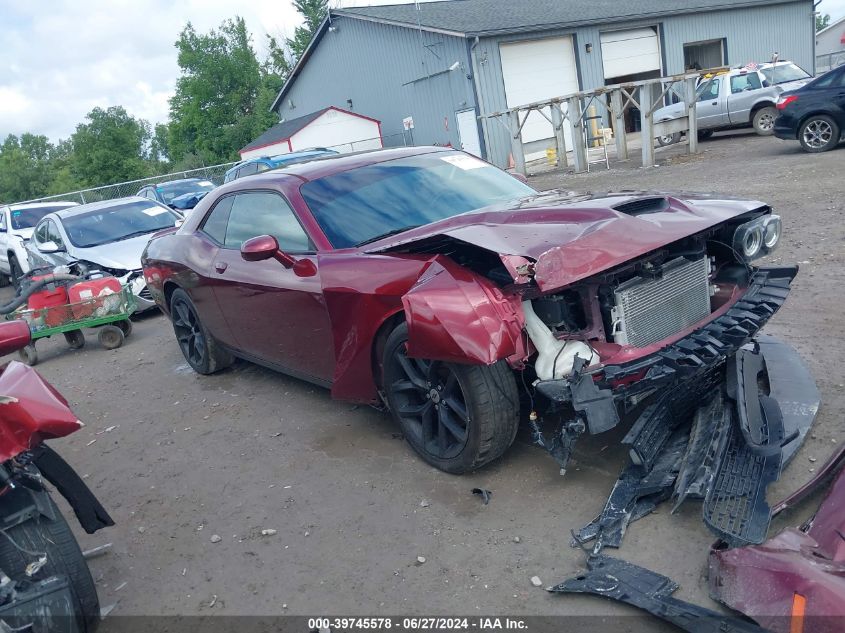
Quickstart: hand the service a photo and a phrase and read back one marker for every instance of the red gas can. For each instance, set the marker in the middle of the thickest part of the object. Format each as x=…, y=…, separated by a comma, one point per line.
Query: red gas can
x=50, y=303
x=86, y=296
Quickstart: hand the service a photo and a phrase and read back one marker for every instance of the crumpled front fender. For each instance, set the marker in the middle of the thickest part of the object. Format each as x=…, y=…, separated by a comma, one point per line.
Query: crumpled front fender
x=455, y=315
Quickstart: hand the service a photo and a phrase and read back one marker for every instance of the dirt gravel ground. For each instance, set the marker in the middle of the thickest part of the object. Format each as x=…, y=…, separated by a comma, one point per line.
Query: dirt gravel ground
x=194, y=457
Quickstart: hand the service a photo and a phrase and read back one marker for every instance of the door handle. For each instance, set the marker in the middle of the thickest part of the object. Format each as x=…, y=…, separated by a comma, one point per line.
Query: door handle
x=220, y=267
x=715, y=103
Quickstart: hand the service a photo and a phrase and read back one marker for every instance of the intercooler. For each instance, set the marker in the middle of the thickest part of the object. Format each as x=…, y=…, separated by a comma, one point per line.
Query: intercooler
x=649, y=310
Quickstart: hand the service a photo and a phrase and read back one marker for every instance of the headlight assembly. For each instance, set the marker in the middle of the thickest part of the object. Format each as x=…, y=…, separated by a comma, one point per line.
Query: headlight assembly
x=758, y=237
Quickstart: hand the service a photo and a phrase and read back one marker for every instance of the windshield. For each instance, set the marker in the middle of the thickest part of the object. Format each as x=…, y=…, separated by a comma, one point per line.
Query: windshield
x=783, y=73
x=27, y=218
x=173, y=190
x=359, y=205
x=119, y=222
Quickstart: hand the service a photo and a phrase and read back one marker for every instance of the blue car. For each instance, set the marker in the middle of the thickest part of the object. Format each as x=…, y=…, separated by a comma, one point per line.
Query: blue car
x=181, y=195
x=257, y=165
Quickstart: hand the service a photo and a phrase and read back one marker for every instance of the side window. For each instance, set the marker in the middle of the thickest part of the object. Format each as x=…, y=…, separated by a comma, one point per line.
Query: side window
x=41, y=233
x=216, y=221
x=264, y=213
x=261, y=167
x=742, y=83
x=53, y=234
x=3, y=220
x=230, y=176
x=248, y=170
x=710, y=90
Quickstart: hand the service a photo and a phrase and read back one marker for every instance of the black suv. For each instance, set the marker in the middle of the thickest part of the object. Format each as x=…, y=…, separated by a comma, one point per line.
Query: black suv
x=814, y=114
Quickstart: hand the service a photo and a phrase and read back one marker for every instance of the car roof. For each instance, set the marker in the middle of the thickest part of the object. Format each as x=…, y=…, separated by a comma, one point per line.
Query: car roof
x=38, y=205
x=180, y=181
x=103, y=204
x=335, y=163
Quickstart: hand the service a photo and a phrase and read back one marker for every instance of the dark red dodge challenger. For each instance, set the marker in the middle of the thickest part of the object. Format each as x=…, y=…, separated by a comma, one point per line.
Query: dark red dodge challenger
x=434, y=283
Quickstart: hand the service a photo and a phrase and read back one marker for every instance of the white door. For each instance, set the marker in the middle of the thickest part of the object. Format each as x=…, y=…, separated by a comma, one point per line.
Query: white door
x=630, y=52
x=468, y=132
x=535, y=71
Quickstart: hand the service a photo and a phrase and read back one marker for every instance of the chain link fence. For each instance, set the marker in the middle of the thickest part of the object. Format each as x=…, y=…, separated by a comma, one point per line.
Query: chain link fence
x=213, y=173
x=829, y=61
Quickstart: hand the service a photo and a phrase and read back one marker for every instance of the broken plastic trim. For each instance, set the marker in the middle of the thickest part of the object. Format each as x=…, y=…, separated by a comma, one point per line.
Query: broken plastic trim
x=642, y=588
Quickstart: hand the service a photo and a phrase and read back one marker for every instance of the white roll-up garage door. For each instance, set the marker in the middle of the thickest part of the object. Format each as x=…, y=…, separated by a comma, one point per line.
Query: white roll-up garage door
x=534, y=71
x=630, y=52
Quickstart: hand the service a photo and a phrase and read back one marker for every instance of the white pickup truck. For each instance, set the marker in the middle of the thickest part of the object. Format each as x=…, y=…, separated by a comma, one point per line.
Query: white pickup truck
x=16, y=226
x=735, y=98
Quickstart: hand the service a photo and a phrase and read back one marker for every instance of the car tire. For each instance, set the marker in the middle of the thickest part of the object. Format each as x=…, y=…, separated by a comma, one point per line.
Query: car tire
x=203, y=352
x=64, y=558
x=703, y=135
x=15, y=271
x=456, y=417
x=764, y=120
x=819, y=133
x=668, y=139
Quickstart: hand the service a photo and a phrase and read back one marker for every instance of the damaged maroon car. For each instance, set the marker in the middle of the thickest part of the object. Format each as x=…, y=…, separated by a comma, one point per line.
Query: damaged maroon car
x=434, y=283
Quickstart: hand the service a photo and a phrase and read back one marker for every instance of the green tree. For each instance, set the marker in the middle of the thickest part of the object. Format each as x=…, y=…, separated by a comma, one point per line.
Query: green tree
x=822, y=21
x=25, y=171
x=212, y=111
x=313, y=13
x=111, y=147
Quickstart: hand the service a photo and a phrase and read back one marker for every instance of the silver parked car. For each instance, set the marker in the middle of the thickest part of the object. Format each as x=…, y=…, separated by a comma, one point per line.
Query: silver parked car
x=107, y=236
x=736, y=98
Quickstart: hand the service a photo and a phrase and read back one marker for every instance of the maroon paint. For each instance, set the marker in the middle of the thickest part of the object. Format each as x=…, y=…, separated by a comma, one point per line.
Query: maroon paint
x=322, y=320
x=14, y=335
x=457, y=316
x=761, y=580
x=33, y=410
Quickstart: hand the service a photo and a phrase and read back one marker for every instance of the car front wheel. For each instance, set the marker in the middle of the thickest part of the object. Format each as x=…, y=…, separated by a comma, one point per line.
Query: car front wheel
x=456, y=417
x=818, y=134
x=202, y=351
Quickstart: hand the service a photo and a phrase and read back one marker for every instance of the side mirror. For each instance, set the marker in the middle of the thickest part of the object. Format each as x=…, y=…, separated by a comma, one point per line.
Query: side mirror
x=49, y=247
x=179, y=222
x=267, y=247
x=264, y=247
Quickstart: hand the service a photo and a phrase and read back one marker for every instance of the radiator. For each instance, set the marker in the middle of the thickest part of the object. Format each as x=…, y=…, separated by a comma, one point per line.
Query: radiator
x=649, y=310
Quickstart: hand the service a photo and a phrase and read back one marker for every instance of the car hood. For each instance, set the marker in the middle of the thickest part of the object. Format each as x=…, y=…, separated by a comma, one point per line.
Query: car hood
x=25, y=234
x=674, y=111
x=125, y=254
x=568, y=237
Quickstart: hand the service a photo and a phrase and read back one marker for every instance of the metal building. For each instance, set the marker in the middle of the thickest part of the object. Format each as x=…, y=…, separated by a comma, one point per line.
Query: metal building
x=428, y=70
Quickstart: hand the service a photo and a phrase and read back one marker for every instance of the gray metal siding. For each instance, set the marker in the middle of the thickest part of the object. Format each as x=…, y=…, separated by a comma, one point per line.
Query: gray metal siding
x=375, y=66
x=752, y=34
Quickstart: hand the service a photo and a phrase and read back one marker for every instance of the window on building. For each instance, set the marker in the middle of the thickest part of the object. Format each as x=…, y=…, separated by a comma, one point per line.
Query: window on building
x=703, y=55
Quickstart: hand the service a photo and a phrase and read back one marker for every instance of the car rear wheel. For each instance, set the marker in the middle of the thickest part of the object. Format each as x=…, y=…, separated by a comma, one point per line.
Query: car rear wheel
x=703, y=135
x=819, y=133
x=764, y=121
x=456, y=417
x=668, y=139
x=202, y=351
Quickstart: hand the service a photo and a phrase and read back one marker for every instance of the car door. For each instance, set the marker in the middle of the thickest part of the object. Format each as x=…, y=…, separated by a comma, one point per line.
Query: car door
x=743, y=92
x=710, y=106
x=277, y=316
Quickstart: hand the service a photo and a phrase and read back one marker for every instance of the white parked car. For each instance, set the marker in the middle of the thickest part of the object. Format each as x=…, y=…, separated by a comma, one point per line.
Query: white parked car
x=17, y=222
x=108, y=236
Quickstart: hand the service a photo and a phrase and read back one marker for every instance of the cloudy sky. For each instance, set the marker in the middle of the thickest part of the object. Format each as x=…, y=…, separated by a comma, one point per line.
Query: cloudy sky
x=60, y=60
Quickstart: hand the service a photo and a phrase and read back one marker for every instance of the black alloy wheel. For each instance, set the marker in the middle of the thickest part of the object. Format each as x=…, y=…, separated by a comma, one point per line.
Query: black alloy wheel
x=457, y=417
x=189, y=333
x=429, y=398
x=202, y=351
